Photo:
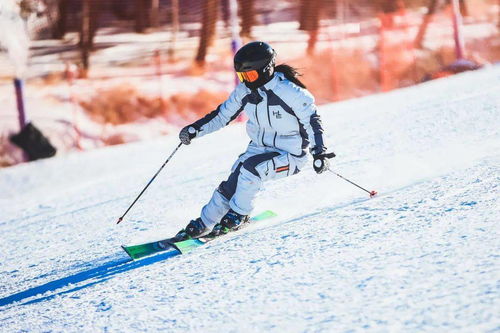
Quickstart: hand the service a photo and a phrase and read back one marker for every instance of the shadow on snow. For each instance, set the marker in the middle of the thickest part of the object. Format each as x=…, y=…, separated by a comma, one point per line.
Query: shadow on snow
x=106, y=271
x=97, y=275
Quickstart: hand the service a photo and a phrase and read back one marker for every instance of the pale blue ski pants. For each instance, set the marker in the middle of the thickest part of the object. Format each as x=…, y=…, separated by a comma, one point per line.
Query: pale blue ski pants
x=257, y=165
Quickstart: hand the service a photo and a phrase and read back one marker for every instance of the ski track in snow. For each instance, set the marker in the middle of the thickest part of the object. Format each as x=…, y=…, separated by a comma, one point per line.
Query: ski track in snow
x=422, y=256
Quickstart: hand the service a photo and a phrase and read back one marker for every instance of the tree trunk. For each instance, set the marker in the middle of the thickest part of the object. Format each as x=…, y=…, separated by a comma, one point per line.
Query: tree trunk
x=390, y=6
x=155, y=13
x=464, y=10
x=95, y=12
x=175, y=29
x=213, y=16
x=85, y=37
x=140, y=16
x=304, y=14
x=225, y=12
x=210, y=9
x=431, y=9
x=61, y=26
x=247, y=13
x=89, y=25
x=310, y=17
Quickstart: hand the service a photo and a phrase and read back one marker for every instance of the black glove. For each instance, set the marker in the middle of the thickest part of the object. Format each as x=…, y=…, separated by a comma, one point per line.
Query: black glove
x=187, y=134
x=321, y=163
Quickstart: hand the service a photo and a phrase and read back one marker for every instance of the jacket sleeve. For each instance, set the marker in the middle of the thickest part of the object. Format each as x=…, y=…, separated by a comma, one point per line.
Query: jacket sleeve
x=223, y=115
x=310, y=121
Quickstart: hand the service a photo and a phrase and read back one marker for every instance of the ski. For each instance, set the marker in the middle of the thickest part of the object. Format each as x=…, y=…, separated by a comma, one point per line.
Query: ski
x=190, y=244
x=147, y=249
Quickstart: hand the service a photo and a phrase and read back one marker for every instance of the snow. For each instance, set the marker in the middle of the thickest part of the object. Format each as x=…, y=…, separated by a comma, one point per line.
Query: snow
x=423, y=256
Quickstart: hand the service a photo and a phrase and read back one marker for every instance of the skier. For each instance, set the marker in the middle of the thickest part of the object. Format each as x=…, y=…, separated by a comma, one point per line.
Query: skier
x=282, y=123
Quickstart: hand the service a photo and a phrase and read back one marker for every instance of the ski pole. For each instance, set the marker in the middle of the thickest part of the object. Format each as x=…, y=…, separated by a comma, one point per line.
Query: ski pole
x=156, y=174
x=372, y=193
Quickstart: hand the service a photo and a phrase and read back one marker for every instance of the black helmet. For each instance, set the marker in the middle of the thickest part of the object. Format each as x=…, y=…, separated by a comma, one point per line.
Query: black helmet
x=258, y=57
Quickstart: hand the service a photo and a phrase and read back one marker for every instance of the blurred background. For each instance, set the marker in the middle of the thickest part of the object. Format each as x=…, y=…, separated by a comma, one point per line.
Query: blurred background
x=82, y=74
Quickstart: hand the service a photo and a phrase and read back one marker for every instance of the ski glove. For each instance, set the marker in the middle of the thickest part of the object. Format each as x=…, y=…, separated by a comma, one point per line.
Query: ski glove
x=187, y=134
x=321, y=163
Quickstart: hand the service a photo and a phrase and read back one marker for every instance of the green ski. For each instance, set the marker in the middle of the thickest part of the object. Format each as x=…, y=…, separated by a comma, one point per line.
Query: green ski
x=147, y=249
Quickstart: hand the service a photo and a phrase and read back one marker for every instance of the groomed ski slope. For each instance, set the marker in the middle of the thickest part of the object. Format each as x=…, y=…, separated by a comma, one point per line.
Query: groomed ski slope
x=423, y=256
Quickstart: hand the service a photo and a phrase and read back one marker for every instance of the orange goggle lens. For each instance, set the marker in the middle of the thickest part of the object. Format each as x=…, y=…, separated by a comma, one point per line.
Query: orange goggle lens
x=249, y=76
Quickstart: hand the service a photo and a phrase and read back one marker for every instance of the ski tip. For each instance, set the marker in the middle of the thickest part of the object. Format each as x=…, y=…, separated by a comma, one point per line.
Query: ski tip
x=126, y=250
x=373, y=193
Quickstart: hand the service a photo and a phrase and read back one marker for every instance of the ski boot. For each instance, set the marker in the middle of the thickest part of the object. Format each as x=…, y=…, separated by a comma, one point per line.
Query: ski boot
x=230, y=221
x=194, y=229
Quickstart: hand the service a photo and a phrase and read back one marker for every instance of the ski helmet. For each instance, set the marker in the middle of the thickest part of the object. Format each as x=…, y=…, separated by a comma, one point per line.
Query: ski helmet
x=254, y=64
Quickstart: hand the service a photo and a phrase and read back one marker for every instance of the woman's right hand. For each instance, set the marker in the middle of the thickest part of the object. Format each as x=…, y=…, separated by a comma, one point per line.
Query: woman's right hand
x=187, y=134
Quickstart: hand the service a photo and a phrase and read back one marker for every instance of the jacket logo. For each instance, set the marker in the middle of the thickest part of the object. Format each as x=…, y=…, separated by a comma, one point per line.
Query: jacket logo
x=277, y=114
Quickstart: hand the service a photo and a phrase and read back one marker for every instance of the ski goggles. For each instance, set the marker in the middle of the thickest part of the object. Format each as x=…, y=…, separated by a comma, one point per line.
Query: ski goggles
x=249, y=76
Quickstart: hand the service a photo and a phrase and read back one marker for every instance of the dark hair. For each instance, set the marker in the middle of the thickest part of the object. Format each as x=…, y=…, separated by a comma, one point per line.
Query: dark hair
x=291, y=74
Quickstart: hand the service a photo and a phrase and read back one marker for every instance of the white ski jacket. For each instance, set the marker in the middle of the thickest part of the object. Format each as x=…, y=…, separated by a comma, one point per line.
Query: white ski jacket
x=281, y=115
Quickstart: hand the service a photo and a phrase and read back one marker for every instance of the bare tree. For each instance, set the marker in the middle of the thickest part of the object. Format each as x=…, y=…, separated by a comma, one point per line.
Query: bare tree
x=207, y=33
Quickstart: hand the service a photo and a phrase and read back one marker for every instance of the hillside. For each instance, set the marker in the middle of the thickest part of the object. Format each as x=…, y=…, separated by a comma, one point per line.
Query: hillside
x=421, y=256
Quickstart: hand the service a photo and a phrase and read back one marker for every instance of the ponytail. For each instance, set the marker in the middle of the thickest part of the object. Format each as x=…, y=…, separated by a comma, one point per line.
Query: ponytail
x=290, y=73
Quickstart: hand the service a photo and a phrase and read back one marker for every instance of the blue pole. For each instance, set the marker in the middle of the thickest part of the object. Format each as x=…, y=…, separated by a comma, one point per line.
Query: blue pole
x=18, y=84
